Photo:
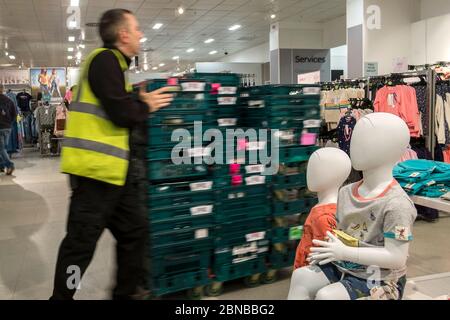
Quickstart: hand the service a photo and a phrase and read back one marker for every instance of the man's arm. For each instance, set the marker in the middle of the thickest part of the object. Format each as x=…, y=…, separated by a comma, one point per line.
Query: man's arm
x=108, y=84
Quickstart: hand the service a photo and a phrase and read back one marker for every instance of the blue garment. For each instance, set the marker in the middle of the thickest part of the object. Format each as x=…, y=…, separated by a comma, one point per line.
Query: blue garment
x=5, y=162
x=356, y=287
x=345, y=132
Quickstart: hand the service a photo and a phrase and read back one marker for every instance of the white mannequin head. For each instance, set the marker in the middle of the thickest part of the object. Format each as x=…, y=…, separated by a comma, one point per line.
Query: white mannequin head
x=379, y=139
x=328, y=168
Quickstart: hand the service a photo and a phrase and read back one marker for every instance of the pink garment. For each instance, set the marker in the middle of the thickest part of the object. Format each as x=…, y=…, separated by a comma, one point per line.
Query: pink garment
x=68, y=96
x=401, y=101
x=410, y=154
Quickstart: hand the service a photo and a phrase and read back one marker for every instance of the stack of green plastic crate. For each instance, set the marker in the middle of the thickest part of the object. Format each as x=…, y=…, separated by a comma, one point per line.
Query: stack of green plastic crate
x=242, y=214
x=181, y=198
x=291, y=112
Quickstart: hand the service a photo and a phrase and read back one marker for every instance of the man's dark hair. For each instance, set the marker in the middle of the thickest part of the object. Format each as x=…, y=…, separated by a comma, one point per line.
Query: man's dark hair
x=110, y=21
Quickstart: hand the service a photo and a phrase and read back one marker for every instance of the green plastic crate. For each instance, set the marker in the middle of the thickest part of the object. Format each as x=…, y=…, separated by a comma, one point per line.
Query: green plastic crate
x=242, y=231
x=179, y=118
x=267, y=101
x=296, y=154
x=240, y=252
x=225, y=79
x=289, y=208
x=280, y=260
x=177, y=236
x=238, y=194
x=229, y=272
x=170, y=284
x=259, y=119
x=241, y=211
x=166, y=170
x=181, y=216
x=161, y=135
x=204, y=244
x=280, y=235
x=180, y=193
x=185, y=260
x=285, y=90
x=286, y=181
x=182, y=85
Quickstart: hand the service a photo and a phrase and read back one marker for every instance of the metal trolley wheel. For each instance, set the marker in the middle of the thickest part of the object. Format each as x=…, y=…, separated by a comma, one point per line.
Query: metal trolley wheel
x=214, y=289
x=195, y=293
x=253, y=280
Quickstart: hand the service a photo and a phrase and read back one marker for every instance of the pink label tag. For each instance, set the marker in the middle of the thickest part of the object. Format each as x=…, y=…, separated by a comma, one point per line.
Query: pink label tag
x=308, y=139
x=235, y=168
x=236, y=180
x=172, y=81
x=215, y=88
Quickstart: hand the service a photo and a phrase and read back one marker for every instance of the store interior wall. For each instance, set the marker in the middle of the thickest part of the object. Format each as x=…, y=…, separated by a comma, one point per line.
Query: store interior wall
x=259, y=54
x=392, y=41
x=338, y=59
x=240, y=68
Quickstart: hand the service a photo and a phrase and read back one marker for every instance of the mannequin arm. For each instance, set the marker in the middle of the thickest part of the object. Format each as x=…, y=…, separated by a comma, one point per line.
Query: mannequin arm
x=392, y=256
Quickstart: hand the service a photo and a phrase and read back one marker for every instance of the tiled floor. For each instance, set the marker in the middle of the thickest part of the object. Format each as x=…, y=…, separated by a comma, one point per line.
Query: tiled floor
x=33, y=211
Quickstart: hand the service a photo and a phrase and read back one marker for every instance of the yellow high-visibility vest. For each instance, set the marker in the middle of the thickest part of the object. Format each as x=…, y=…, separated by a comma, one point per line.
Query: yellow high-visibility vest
x=94, y=147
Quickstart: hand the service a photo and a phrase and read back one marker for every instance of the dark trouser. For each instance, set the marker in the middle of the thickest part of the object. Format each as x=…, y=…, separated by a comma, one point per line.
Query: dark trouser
x=95, y=206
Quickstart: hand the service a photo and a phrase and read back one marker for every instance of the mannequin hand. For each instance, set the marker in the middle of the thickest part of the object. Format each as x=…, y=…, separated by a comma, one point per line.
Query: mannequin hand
x=156, y=99
x=327, y=252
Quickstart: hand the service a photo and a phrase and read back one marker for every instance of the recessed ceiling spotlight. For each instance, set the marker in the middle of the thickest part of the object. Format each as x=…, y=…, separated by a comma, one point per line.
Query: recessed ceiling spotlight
x=155, y=68
x=213, y=52
x=71, y=39
x=82, y=46
x=70, y=49
x=176, y=58
x=234, y=27
x=180, y=10
x=157, y=26
x=190, y=50
x=12, y=57
x=69, y=57
x=143, y=40
x=273, y=16
x=78, y=55
x=6, y=53
x=145, y=66
x=209, y=40
x=162, y=64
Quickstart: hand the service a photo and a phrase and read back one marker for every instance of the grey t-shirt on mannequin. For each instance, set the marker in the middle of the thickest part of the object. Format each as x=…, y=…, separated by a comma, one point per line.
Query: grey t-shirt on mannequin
x=390, y=215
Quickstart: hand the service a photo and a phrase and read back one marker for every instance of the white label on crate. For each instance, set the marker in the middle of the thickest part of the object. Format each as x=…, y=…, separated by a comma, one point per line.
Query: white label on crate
x=312, y=123
x=193, y=86
x=256, y=145
x=196, y=211
x=245, y=95
x=201, y=233
x=240, y=194
x=239, y=260
x=224, y=101
x=201, y=186
x=311, y=90
x=200, y=96
x=198, y=152
x=231, y=196
x=227, y=90
x=227, y=122
x=245, y=249
x=263, y=249
x=256, y=104
x=286, y=135
x=253, y=180
x=257, y=168
x=255, y=236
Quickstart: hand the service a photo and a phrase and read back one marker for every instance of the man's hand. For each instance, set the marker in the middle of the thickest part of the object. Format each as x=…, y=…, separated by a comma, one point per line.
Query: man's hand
x=156, y=99
x=334, y=250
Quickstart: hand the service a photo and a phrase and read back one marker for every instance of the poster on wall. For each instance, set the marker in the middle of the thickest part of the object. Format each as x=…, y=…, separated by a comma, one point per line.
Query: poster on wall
x=51, y=82
x=400, y=65
x=309, y=78
x=10, y=77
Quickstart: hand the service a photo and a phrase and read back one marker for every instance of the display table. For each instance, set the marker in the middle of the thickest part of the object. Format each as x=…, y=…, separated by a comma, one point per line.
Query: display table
x=434, y=203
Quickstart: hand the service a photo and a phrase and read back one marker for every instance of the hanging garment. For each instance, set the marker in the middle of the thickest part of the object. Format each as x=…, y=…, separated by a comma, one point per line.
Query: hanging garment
x=60, y=120
x=345, y=131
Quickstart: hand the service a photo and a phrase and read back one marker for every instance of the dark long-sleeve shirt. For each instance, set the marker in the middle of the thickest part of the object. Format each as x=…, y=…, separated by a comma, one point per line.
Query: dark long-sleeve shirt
x=8, y=112
x=107, y=82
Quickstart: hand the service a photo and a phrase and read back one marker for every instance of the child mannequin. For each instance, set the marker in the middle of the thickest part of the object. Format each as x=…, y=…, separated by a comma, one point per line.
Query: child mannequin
x=328, y=168
x=376, y=213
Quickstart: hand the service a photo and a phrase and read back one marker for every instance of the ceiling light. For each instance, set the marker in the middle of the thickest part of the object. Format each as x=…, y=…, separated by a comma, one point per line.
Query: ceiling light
x=273, y=16
x=12, y=57
x=157, y=26
x=82, y=46
x=176, y=58
x=209, y=40
x=234, y=27
x=74, y=3
x=162, y=64
x=78, y=55
x=70, y=49
x=71, y=39
x=69, y=57
x=143, y=40
x=145, y=66
x=213, y=52
x=180, y=10
x=190, y=50
x=6, y=53
x=155, y=68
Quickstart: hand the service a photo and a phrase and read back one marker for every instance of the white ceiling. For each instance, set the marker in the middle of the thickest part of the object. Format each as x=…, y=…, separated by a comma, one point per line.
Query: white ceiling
x=36, y=31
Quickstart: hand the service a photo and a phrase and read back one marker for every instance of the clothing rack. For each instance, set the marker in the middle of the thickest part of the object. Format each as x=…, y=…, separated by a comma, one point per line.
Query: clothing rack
x=430, y=76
